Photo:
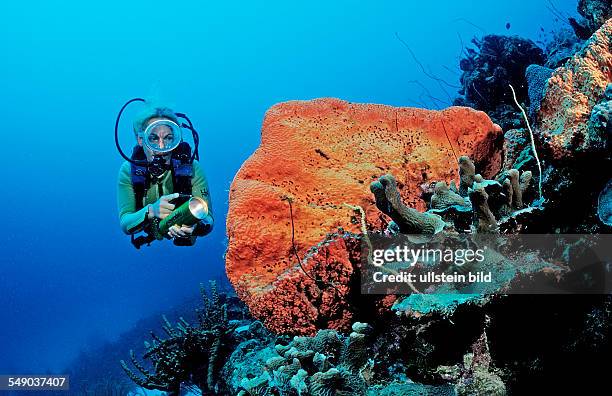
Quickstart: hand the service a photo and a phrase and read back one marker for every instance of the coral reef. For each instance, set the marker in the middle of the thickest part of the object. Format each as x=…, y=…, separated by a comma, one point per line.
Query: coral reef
x=411, y=388
x=190, y=356
x=570, y=96
x=497, y=206
x=317, y=365
x=490, y=202
x=517, y=151
x=330, y=151
x=604, y=204
x=465, y=342
x=301, y=274
x=561, y=47
x=596, y=11
x=332, y=363
x=418, y=305
x=329, y=175
x=599, y=125
x=573, y=136
x=595, y=14
x=327, y=364
x=477, y=376
x=496, y=62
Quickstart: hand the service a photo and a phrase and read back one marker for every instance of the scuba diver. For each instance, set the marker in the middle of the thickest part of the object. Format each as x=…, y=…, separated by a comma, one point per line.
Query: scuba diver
x=162, y=191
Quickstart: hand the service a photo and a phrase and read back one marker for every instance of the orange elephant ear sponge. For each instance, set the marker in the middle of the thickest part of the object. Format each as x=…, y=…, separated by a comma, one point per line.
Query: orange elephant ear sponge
x=320, y=156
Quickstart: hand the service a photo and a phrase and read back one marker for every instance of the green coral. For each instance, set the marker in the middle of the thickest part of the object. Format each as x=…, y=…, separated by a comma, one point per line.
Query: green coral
x=336, y=382
x=324, y=365
x=257, y=386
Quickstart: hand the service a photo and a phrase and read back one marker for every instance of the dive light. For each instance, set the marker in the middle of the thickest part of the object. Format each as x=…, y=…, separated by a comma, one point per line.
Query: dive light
x=188, y=214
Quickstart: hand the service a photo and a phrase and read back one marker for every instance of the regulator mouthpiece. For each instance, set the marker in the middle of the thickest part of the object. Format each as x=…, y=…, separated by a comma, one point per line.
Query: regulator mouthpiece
x=158, y=166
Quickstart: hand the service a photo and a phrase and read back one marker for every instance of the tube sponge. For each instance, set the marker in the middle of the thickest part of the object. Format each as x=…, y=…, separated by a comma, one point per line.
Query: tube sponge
x=485, y=218
x=409, y=220
x=444, y=197
x=467, y=171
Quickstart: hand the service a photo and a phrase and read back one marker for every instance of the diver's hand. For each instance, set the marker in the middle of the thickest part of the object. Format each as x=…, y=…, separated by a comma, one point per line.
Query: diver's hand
x=182, y=231
x=162, y=207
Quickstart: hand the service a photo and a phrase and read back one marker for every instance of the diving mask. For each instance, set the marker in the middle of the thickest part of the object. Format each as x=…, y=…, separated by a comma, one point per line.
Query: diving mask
x=162, y=136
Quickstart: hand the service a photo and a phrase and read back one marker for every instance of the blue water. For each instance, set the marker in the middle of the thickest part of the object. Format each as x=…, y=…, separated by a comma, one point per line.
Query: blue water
x=68, y=277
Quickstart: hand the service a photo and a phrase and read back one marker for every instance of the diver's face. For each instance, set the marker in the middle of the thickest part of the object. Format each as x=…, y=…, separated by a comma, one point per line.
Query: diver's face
x=161, y=136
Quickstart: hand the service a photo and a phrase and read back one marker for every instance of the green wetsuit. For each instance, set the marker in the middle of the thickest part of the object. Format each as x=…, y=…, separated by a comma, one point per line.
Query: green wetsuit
x=133, y=221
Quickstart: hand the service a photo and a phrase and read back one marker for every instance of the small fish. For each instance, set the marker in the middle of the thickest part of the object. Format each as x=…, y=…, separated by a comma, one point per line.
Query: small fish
x=508, y=26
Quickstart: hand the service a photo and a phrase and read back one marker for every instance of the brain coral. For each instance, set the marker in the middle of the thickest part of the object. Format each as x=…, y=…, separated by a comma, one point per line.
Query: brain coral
x=572, y=92
x=320, y=157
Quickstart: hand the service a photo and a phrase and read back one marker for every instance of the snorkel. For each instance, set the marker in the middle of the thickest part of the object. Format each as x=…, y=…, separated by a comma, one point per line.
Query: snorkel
x=159, y=145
